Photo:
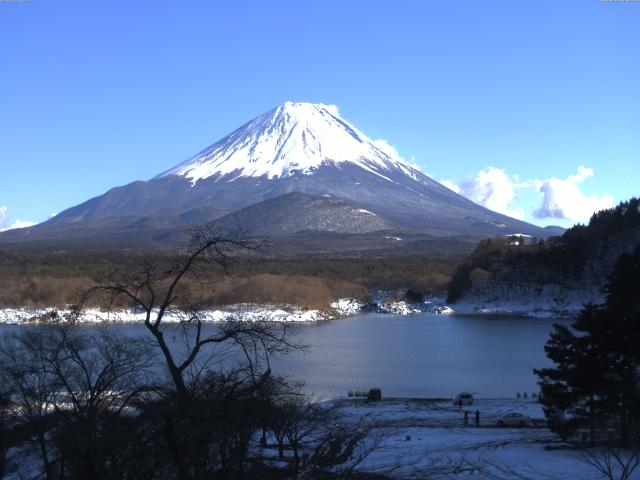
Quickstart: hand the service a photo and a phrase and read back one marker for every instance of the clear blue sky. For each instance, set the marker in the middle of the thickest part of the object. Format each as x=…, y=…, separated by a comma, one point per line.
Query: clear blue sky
x=101, y=93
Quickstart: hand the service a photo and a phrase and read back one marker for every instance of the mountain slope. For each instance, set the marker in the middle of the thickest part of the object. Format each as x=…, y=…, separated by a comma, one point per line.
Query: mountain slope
x=296, y=147
x=297, y=212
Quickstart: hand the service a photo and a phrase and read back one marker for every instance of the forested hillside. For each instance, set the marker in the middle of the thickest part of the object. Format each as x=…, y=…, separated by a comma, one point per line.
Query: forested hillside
x=579, y=259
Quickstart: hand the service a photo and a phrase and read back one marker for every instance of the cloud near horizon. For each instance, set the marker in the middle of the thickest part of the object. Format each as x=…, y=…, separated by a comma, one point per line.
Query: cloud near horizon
x=561, y=199
x=21, y=224
x=16, y=224
x=491, y=188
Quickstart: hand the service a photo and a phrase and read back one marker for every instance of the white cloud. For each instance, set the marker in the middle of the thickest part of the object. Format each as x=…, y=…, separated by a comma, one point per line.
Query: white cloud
x=390, y=150
x=16, y=224
x=563, y=199
x=21, y=224
x=491, y=188
x=450, y=185
x=386, y=147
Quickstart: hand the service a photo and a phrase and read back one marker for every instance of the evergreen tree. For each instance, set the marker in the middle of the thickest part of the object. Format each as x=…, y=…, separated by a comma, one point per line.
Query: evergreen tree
x=595, y=383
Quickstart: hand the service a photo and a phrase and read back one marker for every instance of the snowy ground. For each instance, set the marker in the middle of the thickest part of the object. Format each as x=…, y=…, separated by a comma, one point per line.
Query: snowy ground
x=427, y=439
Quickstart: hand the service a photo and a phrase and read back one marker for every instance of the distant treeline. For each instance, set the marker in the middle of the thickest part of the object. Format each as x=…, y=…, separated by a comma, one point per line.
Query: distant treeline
x=558, y=260
x=40, y=279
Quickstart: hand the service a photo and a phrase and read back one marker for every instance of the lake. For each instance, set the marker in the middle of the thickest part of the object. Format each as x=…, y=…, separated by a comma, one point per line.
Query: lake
x=411, y=356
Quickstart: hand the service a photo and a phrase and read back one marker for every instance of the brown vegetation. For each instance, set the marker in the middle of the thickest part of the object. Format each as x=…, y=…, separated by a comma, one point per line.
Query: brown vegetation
x=313, y=292
x=57, y=278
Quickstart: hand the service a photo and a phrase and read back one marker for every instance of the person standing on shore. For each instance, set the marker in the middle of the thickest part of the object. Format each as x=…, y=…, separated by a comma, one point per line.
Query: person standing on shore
x=477, y=418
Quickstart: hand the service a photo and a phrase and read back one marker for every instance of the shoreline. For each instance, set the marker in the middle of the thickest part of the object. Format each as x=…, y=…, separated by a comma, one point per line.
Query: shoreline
x=249, y=313
x=284, y=314
x=386, y=303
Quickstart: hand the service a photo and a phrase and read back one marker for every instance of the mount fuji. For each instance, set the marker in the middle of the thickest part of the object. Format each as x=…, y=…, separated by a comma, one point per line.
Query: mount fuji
x=299, y=169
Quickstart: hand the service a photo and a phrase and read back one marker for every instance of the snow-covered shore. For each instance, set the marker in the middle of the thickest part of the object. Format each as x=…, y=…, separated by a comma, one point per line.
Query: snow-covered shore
x=236, y=312
x=349, y=306
x=526, y=299
x=547, y=303
x=515, y=309
x=338, y=309
x=389, y=304
x=561, y=307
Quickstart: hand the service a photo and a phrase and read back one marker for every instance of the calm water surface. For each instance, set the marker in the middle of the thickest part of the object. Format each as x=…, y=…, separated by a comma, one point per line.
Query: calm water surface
x=421, y=355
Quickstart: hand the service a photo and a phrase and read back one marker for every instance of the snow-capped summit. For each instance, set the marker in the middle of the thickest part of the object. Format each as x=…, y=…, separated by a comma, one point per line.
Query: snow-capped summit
x=293, y=137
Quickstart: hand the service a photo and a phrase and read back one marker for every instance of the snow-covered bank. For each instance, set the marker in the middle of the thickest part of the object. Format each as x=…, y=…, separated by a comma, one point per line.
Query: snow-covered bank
x=349, y=306
x=237, y=312
x=389, y=304
x=523, y=309
x=550, y=305
x=276, y=313
x=527, y=299
x=517, y=299
x=548, y=301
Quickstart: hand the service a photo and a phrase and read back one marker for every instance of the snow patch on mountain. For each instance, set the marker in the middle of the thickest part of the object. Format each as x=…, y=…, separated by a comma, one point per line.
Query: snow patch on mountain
x=293, y=138
x=367, y=212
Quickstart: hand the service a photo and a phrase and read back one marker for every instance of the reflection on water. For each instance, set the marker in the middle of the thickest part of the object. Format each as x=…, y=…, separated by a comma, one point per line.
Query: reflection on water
x=422, y=355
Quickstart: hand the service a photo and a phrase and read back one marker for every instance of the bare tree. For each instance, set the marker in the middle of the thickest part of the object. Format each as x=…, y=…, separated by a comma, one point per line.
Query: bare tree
x=81, y=393
x=35, y=391
x=612, y=462
x=343, y=448
x=303, y=420
x=494, y=470
x=206, y=422
x=320, y=447
x=295, y=420
x=101, y=377
x=5, y=426
x=71, y=391
x=157, y=292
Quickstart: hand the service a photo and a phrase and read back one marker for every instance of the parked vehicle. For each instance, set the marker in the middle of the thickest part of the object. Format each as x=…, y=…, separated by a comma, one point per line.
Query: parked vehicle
x=374, y=395
x=513, y=419
x=463, y=398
